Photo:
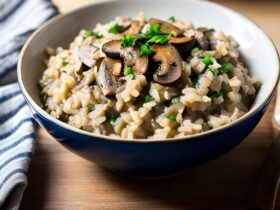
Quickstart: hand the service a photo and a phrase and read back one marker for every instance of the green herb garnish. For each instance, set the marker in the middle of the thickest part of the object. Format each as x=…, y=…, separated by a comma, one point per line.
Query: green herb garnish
x=91, y=107
x=195, y=50
x=99, y=36
x=145, y=50
x=127, y=71
x=172, y=19
x=128, y=40
x=207, y=60
x=154, y=29
x=88, y=33
x=215, y=71
x=141, y=37
x=113, y=119
x=158, y=39
x=115, y=29
x=64, y=62
x=148, y=98
x=83, y=128
x=215, y=94
x=172, y=117
x=173, y=33
x=175, y=100
x=225, y=68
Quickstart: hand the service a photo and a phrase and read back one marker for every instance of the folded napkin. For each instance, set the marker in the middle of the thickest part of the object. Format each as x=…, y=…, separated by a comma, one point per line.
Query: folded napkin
x=18, y=19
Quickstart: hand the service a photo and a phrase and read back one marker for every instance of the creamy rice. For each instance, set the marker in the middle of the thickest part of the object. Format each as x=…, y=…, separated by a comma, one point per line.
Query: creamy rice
x=127, y=93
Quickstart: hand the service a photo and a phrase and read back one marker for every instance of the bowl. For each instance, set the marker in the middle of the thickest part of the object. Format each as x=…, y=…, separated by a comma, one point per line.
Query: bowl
x=151, y=158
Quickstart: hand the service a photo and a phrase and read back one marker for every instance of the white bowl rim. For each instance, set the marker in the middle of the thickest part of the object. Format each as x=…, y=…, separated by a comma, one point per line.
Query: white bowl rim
x=66, y=126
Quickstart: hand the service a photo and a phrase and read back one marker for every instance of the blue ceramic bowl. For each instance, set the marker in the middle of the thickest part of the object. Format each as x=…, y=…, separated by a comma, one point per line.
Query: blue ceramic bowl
x=153, y=157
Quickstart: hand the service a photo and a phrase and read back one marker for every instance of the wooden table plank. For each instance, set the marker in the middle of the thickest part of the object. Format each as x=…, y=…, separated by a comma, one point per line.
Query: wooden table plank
x=60, y=180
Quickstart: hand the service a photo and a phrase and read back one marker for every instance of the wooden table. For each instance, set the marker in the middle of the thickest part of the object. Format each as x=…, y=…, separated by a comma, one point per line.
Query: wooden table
x=60, y=180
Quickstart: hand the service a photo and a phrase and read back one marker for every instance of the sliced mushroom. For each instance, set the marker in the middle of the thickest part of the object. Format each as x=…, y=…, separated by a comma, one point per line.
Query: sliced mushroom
x=130, y=55
x=86, y=52
x=169, y=63
x=166, y=27
x=134, y=28
x=183, y=44
x=112, y=48
x=107, y=81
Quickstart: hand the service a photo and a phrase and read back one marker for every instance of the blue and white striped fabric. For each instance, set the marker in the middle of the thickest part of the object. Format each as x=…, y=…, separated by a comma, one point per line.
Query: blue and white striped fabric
x=18, y=19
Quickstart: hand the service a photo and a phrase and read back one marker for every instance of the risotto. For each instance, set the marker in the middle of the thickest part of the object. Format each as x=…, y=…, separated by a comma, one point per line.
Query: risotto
x=147, y=78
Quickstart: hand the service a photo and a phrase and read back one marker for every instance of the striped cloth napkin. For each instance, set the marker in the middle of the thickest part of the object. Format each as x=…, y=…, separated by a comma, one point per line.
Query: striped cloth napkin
x=18, y=19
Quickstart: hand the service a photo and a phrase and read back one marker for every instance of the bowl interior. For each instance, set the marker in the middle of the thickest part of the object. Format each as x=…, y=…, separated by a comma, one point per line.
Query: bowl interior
x=256, y=48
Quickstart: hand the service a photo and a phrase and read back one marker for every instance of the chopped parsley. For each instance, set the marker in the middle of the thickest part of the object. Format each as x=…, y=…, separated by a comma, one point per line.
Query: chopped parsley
x=172, y=19
x=132, y=76
x=154, y=29
x=172, y=117
x=113, y=119
x=128, y=40
x=64, y=62
x=114, y=29
x=148, y=98
x=215, y=94
x=173, y=33
x=195, y=50
x=88, y=33
x=145, y=50
x=91, y=107
x=83, y=128
x=215, y=71
x=225, y=68
x=175, y=100
x=207, y=60
x=99, y=36
x=127, y=71
x=158, y=39
x=141, y=37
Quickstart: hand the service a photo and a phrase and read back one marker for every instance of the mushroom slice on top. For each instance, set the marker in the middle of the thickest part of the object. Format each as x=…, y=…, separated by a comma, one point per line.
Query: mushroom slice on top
x=134, y=28
x=132, y=58
x=166, y=27
x=183, y=44
x=107, y=81
x=86, y=52
x=169, y=63
x=130, y=55
x=112, y=48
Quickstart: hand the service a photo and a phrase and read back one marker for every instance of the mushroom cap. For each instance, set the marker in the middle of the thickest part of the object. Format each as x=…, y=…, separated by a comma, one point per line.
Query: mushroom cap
x=183, y=44
x=166, y=27
x=169, y=63
x=86, y=52
x=107, y=81
x=130, y=55
x=134, y=28
x=112, y=48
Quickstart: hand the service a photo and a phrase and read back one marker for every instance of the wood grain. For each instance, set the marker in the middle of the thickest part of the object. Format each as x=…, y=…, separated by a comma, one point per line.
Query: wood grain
x=60, y=180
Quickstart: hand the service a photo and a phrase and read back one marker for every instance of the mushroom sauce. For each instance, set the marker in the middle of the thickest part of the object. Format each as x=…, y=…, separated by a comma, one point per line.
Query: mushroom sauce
x=148, y=79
